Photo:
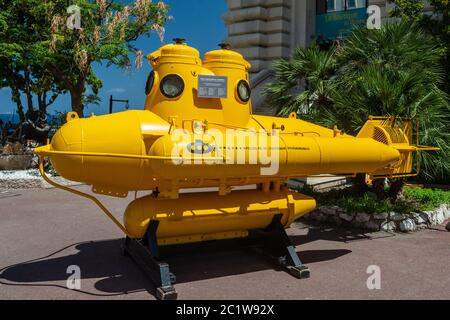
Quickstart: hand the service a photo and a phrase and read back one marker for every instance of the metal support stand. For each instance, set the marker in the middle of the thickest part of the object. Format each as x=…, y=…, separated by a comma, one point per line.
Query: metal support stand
x=145, y=253
x=273, y=240
x=278, y=246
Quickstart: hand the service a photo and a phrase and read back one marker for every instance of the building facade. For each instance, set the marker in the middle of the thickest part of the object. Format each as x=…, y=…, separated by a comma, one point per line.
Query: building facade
x=266, y=30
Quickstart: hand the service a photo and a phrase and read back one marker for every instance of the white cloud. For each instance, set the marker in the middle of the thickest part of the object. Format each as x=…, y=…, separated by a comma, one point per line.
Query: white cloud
x=117, y=90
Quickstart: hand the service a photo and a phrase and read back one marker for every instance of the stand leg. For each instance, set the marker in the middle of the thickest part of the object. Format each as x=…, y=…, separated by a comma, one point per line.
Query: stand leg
x=146, y=255
x=279, y=246
x=275, y=243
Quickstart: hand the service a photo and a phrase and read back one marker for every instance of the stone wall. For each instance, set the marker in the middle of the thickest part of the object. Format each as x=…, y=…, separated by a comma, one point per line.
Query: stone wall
x=14, y=156
x=385, y=221
x=265, y=30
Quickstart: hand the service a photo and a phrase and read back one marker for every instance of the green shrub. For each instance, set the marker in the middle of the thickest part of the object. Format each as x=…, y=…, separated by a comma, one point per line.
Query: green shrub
x=366, y=203
x=352, y=201
x=427, y=199
x=416, y=199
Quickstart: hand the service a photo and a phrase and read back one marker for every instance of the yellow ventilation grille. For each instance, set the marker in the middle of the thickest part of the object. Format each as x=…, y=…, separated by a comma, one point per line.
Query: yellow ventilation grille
x=379, y=135
x=388, y=130
x=398, y=130
x=394, y=132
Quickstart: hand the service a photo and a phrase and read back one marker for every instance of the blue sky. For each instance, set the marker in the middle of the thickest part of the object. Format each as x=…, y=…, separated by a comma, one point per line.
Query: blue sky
x=198, y=21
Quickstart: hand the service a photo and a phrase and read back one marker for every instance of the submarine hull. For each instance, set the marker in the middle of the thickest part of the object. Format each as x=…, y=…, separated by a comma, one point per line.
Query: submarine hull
x=203, y=216
x=134, y=150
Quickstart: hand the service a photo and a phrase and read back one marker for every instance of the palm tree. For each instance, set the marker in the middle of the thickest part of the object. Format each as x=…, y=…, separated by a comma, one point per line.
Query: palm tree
x=394, y=71
x=304, y=83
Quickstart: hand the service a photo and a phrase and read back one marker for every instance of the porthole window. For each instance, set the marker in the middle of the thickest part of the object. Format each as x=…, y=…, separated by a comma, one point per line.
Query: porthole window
x=150, y=82
x=172, y=86
x=243, y=91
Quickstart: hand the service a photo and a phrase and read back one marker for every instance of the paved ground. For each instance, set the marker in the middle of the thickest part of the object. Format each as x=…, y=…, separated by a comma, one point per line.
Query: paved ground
x=45, y=231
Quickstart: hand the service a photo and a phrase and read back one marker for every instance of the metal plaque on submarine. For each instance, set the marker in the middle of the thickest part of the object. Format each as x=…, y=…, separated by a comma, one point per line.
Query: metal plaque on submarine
x=212, y=86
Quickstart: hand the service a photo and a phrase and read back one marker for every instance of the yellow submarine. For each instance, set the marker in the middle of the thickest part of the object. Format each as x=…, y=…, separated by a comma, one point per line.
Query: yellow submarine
x=198, y=131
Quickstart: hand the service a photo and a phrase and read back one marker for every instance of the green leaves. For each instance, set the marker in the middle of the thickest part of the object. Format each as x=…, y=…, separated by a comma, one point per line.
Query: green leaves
x=398, y=73
x=427, y=199
x=35, y=33
x=368, y=203
x=439, y=28
x=310, y=69
x=394, y=71
x=409, y=9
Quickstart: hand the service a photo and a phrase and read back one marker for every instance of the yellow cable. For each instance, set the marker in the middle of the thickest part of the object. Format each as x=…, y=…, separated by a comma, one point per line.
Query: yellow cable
x=96, y=201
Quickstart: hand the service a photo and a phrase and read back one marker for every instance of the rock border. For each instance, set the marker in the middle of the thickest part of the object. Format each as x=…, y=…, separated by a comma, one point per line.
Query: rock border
x=384, y=221
x=17, y=156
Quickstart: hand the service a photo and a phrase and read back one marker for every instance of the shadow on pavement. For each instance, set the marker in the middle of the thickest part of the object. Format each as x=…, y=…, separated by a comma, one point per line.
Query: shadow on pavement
x=96, y=259
x=118, y=274
x=337, y=234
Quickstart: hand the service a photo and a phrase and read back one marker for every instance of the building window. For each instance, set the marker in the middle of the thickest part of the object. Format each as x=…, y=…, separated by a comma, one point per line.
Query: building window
x=326, y=6
x=356, y=4
x=335, y=5
x=330, y=6
x=321, y=7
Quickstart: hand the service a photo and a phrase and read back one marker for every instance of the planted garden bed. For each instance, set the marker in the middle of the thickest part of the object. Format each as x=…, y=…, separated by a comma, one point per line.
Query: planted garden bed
x=415, y=209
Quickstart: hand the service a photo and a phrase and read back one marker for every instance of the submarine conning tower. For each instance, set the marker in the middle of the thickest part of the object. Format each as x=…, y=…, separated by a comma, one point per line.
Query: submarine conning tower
x=182, y=88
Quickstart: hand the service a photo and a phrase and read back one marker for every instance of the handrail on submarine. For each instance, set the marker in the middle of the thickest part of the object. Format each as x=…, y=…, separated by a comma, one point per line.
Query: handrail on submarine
x=80, y=193
x=45, y=151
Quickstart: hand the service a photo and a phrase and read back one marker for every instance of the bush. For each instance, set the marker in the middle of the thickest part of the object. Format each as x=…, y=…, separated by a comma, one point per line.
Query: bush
x=373, y=72
x=366, y=203
x=427, y=199
x=353, y=201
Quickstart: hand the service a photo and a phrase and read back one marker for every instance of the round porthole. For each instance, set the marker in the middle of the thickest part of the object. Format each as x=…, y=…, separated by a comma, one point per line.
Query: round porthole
x=150, y=82
x=243, y=91
x=172, y=86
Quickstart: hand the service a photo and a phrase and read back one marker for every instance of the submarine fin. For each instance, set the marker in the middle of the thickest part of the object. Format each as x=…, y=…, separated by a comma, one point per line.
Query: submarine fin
x=396, y=133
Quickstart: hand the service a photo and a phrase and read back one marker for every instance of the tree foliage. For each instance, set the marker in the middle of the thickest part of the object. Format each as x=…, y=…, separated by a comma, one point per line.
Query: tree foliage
x=107, y=34
x=22, y=73
x=394, y=71
x=407, y=8
x=310, y=69
x=436, y=24
x=39, y=42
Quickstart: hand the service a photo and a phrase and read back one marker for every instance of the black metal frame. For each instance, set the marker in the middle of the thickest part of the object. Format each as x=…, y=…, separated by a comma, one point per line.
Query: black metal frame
x=111, y=100
x=273, y=241
x=145, y=253
x=278, y=246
